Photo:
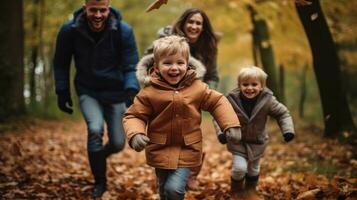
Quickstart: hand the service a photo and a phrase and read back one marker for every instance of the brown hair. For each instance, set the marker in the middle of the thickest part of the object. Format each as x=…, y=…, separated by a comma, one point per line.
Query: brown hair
x=205, y=48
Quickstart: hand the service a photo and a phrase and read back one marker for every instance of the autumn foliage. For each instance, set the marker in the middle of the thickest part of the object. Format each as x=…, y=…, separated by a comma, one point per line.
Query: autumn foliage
x=47, y=160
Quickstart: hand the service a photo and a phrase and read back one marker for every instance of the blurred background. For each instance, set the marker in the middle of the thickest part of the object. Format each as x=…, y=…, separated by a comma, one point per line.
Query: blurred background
x=231, y=19
x=42, y=150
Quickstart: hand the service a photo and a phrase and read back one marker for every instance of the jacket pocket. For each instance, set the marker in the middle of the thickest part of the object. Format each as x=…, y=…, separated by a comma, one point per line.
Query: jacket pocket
x=158, y=138
x=192, y=138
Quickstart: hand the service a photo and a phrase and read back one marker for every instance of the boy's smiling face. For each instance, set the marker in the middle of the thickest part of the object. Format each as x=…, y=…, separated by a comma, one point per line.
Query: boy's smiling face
x=172, y=68
x=250, y=87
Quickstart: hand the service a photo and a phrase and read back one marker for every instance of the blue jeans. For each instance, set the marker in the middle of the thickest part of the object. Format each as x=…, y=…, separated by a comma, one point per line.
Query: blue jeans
x=172, y=183
x=95, y=113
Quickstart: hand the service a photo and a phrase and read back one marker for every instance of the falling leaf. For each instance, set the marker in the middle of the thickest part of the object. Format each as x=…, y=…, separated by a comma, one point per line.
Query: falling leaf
x=156, y=5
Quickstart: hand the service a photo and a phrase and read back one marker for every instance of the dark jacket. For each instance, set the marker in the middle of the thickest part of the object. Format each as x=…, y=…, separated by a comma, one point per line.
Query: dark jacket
x=104, y=69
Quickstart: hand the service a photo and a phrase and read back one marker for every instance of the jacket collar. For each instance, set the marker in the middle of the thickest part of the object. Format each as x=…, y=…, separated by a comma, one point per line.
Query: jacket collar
x=234, y=95
x=158, y=82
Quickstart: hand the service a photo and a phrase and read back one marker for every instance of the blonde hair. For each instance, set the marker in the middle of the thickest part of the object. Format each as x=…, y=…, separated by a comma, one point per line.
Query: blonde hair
x=252, y=72
x=171, y=45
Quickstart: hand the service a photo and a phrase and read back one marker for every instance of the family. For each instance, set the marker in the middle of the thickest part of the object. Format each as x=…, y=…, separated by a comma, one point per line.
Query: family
x=155, y=103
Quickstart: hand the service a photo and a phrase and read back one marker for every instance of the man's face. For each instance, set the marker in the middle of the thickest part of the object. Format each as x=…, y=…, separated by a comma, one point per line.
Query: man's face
x=97, y=13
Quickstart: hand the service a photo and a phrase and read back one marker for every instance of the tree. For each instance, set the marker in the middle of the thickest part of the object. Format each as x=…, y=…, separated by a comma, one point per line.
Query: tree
x=11, y=59
x=326, y=64
x=34, y=51
x=262, y=47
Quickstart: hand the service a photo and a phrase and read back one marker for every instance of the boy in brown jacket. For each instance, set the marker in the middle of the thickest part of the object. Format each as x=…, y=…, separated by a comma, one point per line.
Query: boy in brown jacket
x=165, y=117
x=253, y=102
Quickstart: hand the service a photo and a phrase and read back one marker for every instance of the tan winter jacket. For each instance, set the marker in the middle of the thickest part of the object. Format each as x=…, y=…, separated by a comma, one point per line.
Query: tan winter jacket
x=171, y=118
x=254, y=134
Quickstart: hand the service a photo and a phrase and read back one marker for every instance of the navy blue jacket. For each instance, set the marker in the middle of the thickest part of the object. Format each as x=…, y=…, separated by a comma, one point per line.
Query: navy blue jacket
x=104, y=69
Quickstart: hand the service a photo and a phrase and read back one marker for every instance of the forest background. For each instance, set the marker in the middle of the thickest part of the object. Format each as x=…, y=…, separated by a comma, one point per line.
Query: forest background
x=231, y=19
x=34, y=135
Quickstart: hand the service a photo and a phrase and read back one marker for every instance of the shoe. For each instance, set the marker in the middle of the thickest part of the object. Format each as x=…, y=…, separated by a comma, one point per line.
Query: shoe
x=237, y=188
x=250, y=186
x=97, y=162
x=99, y=190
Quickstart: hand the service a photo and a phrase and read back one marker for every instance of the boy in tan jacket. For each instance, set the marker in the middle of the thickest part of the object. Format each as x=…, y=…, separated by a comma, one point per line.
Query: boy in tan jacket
x=165, y=117
x=254, y=103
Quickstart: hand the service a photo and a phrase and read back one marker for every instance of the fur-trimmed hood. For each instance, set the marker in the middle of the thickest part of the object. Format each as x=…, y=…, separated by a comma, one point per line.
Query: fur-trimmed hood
x=143, y=68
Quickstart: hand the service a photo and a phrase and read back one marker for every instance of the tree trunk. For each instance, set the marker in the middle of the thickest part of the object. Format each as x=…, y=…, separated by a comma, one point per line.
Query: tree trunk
x=337, y=116
x=11, y=59
x=302, y=90
x=34, y=53
x=261, y=38
x=282, y=83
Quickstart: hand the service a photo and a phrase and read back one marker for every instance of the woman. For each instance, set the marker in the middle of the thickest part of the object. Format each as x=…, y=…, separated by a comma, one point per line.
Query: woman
x=194, y=25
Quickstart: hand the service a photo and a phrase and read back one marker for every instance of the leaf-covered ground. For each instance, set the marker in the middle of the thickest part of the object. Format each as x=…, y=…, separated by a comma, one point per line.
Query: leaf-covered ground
x=47, y=160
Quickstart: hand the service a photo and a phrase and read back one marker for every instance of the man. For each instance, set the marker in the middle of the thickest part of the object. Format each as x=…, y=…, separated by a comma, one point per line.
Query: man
x=105, y=55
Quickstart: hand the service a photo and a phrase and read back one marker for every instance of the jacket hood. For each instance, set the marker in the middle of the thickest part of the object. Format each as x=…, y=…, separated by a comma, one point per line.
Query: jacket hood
x=114, y=17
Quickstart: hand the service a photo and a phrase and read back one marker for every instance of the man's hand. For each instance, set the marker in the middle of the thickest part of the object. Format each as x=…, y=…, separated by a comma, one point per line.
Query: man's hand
x=233, y=135
x=130, y=95
x=64, y=102
x=139, y=142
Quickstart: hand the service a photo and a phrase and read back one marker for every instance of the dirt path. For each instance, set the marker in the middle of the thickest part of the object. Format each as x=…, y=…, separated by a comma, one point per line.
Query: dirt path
x=47, y=160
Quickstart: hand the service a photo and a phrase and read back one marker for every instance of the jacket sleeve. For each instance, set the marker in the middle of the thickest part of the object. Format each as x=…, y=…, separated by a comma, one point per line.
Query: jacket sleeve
x=62, y=59
x=212, y=74
x=129, y=57
x=136, y=117
x=220, y=108
x=282, y=115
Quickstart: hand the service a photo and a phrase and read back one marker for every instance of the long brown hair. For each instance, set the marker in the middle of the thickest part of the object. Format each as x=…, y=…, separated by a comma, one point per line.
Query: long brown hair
x=205, y=48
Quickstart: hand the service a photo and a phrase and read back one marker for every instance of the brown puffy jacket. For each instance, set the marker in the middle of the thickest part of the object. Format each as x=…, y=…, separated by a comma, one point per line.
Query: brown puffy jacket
x=171, y=118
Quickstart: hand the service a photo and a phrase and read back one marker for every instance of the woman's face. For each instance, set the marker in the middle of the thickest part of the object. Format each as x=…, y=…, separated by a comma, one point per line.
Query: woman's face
x=193, y=27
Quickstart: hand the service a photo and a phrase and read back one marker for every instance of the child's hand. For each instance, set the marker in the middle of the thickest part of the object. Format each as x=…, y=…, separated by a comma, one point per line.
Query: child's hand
x=288, y=137
x=139, y=142
x=233, y=135
x=222, y=138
